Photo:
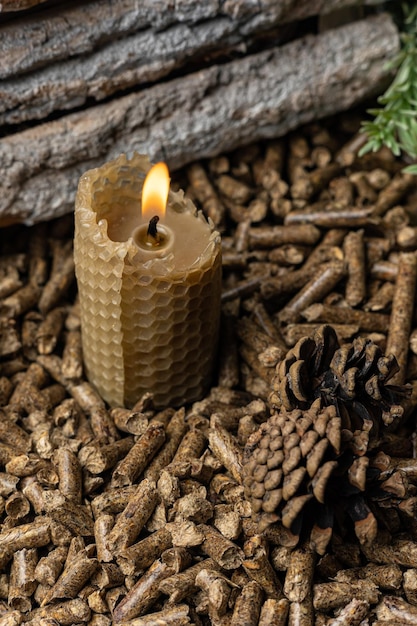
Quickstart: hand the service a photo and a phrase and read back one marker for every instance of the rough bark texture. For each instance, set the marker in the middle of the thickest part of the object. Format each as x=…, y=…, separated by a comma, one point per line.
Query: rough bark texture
x=79, y=29
x=298, y=7
x=92, y=50
x=200, y=115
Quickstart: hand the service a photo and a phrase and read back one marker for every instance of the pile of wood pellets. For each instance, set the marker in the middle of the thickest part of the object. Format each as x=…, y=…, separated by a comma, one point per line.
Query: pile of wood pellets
x=138, y=516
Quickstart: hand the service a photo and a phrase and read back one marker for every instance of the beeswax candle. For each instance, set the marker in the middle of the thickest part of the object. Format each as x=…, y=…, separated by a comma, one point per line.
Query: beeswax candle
x=149, y=288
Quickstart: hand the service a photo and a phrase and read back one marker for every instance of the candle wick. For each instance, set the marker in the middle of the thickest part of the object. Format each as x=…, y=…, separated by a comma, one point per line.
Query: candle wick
x=152, y=230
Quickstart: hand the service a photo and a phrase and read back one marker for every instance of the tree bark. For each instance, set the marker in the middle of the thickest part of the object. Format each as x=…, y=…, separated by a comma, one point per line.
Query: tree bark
x=200, y=115
x=97, y=48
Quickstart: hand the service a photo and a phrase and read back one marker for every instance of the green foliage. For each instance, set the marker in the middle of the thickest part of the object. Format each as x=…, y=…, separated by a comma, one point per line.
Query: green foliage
x=395, y=123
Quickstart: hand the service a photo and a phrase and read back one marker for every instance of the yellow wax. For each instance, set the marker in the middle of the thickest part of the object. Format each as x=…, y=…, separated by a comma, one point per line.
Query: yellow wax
x=149, y=318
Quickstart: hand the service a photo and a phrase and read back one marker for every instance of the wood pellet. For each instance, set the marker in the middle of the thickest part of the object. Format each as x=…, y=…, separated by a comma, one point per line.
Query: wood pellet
x=138, y=516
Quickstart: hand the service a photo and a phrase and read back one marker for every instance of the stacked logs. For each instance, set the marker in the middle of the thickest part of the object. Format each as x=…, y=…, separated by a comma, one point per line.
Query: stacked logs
x=139, y=516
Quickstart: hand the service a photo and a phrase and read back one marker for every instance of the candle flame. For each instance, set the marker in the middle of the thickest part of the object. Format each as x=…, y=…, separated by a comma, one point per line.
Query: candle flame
x=155, y=191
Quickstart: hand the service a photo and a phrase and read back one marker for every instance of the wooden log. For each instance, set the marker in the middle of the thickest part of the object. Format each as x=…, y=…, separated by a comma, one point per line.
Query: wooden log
x=217, y=109
x=61, y=32
x=94, y=49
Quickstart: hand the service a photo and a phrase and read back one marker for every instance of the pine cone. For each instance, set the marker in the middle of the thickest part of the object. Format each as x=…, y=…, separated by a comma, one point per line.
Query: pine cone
x=352, y=377
x=312, y=459
x=288, y=462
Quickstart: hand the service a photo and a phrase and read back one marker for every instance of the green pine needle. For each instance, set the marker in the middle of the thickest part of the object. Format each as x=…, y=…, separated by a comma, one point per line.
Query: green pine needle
x=395, y=122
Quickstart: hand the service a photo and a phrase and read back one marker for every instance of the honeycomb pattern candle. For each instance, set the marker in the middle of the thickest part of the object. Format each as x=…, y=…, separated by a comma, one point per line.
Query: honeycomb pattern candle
x=149, y=285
